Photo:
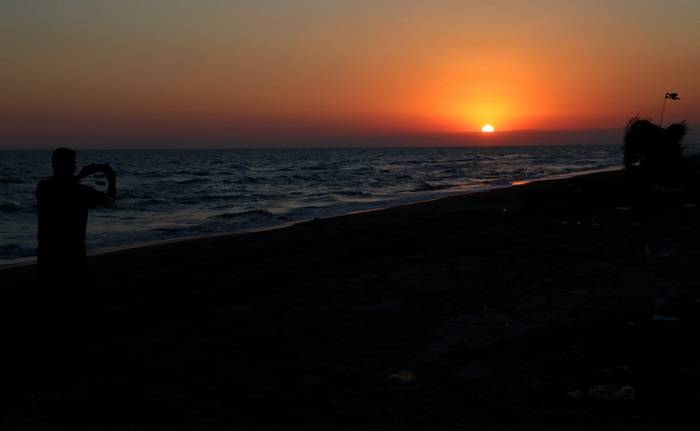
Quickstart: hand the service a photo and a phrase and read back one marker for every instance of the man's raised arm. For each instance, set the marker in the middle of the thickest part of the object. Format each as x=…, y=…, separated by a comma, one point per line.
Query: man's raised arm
x=98, y=198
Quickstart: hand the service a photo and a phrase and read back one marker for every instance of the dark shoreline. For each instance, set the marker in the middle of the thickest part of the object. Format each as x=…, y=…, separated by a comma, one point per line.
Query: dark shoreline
x=503, y=304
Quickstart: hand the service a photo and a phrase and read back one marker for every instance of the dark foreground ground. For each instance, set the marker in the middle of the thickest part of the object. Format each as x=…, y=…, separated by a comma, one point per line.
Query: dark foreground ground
x=504, y=310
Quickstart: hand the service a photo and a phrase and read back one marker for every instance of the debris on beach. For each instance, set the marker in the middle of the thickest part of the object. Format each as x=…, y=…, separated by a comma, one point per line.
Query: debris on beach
x=612, y=393
x=577, y=394
x=660, y=302
x=660, y=318
x=623, y=208
x=662, y=189
x=661, y=254
x=403, y=377
x=622, y=369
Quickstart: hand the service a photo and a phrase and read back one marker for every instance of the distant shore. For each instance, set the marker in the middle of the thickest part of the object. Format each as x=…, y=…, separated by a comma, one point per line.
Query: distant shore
x=561, y=304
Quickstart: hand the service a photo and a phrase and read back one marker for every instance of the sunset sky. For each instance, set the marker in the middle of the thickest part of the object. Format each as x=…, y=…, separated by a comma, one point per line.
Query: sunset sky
x=148, y=70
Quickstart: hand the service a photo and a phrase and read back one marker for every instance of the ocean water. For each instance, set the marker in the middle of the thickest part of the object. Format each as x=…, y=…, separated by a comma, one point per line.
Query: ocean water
x=170, y=194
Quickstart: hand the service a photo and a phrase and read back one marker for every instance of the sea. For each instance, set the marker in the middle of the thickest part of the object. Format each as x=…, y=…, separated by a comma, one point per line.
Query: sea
x=167, y=195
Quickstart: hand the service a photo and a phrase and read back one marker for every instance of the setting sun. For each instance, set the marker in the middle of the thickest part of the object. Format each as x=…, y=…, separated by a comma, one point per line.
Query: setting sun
x=488, y=128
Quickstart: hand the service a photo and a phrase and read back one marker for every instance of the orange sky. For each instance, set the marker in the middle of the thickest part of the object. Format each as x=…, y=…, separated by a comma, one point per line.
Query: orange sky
x=276, y=69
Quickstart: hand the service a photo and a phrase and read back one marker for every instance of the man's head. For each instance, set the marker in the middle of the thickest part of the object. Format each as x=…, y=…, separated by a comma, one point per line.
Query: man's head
x=63, y=162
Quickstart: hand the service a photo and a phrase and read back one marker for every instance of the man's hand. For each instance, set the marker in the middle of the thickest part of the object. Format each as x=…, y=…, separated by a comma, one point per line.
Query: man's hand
x=95, y=168
x=87, y=171
x=109, y=172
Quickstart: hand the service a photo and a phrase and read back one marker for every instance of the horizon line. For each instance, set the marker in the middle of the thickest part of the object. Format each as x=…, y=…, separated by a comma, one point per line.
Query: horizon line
x=479, y=139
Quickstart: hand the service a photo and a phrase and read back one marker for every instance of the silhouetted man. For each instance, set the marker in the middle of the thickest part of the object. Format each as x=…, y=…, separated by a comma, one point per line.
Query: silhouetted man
x=63, y=209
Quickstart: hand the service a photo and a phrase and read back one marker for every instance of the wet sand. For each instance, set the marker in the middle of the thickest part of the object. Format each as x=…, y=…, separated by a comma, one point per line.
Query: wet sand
x=504, y=310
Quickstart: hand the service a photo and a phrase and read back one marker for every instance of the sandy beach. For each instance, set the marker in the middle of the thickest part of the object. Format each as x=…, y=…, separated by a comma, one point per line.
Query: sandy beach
x=563, y=304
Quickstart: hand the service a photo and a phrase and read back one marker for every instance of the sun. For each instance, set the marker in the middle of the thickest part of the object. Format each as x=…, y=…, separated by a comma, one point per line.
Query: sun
x=488, y=128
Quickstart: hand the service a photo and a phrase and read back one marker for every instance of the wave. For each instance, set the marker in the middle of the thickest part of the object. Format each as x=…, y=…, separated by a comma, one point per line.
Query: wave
x=194, y=173
x=11, y=180
x=10, y=207
x=427, y=187
x=12, y=251
x=192, y=181
x=169, y=229
x=244, y=214
x=151, y=202
x=250, y=180
x=352, y=193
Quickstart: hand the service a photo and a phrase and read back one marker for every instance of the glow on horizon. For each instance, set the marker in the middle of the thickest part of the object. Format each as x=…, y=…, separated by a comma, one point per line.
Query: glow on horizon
x=487, y=128
x=274, y=69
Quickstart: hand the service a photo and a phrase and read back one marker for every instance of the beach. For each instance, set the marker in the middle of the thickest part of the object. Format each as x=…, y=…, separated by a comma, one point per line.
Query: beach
x=562, y=304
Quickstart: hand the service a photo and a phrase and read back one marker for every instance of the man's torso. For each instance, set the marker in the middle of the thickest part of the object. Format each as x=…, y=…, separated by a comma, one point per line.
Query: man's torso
x=62, y=213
